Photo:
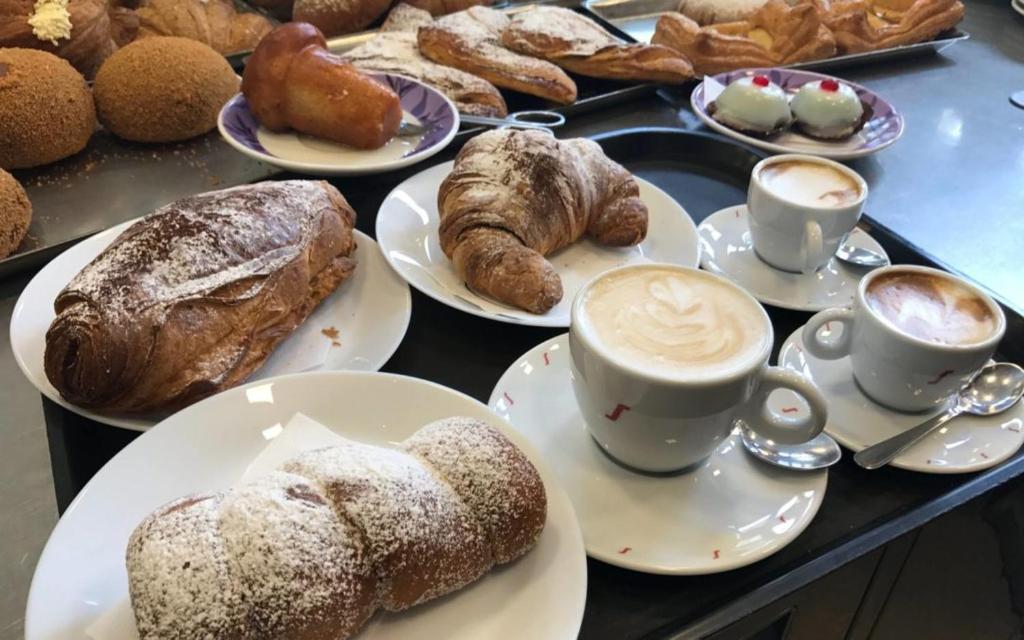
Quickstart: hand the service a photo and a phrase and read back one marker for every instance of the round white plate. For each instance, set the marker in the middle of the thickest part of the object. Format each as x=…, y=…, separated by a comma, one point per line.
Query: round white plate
x=208, y=446
x=732, y=511
x=1017, y=6
x=883, y=128
x=966, y=444
x=727, y=251
x=407, y=226
x=421, y=105
x=370, y=312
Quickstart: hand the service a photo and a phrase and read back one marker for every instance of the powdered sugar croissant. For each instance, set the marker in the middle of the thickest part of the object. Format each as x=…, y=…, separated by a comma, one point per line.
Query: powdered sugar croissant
x=514, y=197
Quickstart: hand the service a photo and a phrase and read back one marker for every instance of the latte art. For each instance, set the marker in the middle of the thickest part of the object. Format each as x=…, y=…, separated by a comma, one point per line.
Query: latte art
x=676, y=323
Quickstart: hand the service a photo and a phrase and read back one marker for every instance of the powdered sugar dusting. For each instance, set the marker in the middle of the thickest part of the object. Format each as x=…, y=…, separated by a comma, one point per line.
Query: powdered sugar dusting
x=397, y=52
x=196, y=245
x=555, y=32
x=408, y=518
x=179, y=581
x=292, y=557
x=491, y=475
x=316, y=548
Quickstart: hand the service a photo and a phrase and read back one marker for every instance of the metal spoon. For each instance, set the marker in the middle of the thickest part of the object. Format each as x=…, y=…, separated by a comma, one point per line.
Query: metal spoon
x=818, y=453
x=995, y=389
x=860, y=256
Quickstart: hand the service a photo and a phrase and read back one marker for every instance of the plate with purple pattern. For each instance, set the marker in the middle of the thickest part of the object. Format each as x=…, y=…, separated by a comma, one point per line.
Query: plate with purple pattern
x=883, y=127
x=421, y=105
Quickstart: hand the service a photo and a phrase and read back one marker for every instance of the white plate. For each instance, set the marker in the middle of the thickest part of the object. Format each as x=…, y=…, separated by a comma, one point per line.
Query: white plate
x=208, y=446
x=881, y=131
x=966, y=444
x=421, y=105
x=1017, y=6
x=370, y=310
x=407, y=226
x=727, y=251
x=732, y=511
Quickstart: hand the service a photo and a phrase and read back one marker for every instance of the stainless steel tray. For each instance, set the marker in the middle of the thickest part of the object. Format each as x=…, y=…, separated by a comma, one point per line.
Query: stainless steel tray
x=112, y=181
x=638, y=18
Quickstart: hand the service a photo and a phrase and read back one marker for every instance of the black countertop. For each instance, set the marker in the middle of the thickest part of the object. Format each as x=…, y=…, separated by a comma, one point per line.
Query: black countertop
x=953, y=187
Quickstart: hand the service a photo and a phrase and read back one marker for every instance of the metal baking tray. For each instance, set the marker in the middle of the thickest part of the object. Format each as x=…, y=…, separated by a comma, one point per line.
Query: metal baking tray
x=639, y=17
x=112, y=181
x=592, y=93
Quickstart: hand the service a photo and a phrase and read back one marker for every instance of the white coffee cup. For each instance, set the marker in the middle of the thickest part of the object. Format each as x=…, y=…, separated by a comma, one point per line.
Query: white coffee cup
x=800, y=208
x=895, y=361
x=668, y=411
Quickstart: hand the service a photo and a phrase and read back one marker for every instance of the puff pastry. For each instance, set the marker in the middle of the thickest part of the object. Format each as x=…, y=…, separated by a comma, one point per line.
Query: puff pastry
x=578, y=44
x=471, y=40
x=776, y=34
x=867, y=25
x=394, y=50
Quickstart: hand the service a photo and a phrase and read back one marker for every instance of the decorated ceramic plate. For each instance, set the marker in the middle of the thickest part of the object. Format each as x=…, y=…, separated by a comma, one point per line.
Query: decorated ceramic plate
x=421, y=105
x=884, y=124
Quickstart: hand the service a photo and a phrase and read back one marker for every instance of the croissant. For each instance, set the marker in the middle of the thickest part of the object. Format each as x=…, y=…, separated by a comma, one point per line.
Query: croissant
x=515, y=196
x=80, y=32
x=312, y=550
x=213, y=22
x=193, y=298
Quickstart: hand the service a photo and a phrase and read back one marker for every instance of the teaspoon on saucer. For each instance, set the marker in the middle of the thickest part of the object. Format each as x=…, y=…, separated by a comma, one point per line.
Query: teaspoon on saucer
x=995, y=389
x=818, y=453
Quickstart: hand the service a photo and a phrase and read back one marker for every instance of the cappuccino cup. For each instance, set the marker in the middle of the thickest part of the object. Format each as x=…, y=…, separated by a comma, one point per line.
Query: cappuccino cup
x=914, y=336
x=801, y=208
x=665, y=359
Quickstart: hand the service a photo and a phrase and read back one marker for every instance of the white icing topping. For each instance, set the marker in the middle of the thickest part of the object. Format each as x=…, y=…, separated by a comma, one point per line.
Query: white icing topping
x=827, y=109
x=679, y=324
x=745, y=104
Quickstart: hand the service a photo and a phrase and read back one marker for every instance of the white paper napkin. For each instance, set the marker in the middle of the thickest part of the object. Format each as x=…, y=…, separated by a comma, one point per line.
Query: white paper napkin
x=301, y=433
x=712, y=89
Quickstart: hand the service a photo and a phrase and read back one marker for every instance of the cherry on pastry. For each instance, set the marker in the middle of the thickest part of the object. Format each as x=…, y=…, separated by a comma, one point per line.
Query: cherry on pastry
x=829, y=85
x=761, y=81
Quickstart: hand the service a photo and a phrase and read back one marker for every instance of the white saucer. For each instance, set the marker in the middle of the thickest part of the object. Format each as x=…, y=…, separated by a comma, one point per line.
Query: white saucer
x=370, y=312
x=730, y=512
x=208, y=446
x=407, y=231
x=966, y=444
x=726, y=250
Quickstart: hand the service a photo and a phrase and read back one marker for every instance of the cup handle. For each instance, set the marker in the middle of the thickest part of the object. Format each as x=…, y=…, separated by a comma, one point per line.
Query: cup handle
x=814, y=246
x=779, y=427
x=828, y=350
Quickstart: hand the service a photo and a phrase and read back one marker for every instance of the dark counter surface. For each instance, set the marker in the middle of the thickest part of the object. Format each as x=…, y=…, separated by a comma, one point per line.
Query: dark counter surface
x=953, y=187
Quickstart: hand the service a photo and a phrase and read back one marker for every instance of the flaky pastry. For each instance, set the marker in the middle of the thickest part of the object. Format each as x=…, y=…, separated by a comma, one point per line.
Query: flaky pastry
x=776, y=34
x=868, y=25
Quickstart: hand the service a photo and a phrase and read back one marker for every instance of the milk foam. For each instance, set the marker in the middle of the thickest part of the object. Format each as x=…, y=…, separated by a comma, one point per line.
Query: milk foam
x=809, y=184
x=673, y=323
x=931, y=308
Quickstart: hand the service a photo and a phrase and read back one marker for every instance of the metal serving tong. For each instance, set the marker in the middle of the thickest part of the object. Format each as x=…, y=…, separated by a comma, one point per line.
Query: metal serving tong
x=544, y=120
